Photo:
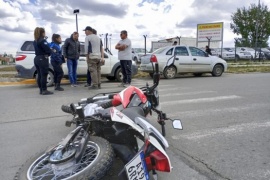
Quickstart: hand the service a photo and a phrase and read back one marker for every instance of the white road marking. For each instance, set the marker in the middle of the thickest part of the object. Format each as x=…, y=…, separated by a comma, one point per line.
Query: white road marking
x=200, y=100
x=209, y=112
x=170, y=89
x=188, y=93
x=231, y=130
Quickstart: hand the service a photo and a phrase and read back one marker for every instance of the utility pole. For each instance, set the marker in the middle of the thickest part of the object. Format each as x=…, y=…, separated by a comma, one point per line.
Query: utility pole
x=144, y=44
x=257, y=19
x=209, y=39
x=179, y=39
x=106, y=37
x=235, y=43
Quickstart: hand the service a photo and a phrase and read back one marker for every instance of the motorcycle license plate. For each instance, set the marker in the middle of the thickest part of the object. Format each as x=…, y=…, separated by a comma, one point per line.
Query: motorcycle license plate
x=136, y=168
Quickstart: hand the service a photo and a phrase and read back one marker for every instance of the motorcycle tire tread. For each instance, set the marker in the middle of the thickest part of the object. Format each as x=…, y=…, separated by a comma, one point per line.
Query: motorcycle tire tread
x=97, y=171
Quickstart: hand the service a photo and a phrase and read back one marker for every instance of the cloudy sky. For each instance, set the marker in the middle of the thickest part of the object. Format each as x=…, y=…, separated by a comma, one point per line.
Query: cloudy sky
x=158, y=19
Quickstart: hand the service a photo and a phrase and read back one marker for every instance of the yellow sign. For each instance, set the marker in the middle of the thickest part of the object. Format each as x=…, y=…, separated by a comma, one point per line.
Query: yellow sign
x=210, y=32
x=210, y=26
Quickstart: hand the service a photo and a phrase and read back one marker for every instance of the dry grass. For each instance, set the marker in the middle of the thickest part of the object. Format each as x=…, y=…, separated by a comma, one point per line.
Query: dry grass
x=247, y=69
x=11, y=68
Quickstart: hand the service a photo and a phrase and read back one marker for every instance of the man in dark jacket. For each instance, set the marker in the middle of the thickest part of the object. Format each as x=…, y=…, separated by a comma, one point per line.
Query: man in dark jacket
x=71, y=52
x=208, y=50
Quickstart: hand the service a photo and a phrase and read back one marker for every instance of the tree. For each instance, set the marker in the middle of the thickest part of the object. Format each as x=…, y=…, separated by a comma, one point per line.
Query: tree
x=244, y=22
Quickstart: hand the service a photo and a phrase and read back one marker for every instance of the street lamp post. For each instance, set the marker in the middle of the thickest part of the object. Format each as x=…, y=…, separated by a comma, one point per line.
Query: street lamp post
x=76, y=11
x=144, y=44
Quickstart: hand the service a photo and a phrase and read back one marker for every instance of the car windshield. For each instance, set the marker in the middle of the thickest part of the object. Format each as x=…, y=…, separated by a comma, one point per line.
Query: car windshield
x=160, y=50
x=250, y=49
x=139, y=50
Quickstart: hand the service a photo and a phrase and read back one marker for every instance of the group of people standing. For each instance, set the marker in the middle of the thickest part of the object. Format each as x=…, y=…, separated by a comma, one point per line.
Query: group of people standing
x=70, y=54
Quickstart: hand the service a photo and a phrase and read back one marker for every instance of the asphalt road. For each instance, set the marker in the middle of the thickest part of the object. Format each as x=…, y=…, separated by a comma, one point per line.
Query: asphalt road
x=226, y=124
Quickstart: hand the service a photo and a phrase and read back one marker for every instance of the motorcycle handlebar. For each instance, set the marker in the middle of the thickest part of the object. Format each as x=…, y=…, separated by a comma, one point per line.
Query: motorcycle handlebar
x=97, y=98
x=107, y=105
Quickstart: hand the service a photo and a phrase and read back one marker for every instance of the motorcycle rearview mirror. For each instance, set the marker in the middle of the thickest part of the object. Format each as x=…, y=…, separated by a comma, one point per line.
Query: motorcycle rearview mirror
x=177, y=124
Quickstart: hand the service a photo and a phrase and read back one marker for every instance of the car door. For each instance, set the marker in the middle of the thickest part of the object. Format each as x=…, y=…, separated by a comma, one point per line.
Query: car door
x=106, y=68
x=82, y=64
x=183, y=60
x=201, y=61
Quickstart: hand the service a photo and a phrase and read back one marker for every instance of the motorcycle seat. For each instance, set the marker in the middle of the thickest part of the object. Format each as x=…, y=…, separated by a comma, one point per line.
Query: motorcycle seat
x=133, y=112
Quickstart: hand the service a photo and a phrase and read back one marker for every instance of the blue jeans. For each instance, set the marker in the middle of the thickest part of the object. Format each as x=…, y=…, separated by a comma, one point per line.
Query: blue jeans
x=126, y=70
x=72, y=70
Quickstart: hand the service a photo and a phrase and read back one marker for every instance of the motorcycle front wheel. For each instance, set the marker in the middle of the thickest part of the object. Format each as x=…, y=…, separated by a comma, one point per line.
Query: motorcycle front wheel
x=96, y=161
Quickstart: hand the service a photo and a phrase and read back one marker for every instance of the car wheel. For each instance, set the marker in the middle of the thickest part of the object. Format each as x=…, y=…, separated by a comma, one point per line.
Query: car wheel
x=50, y=78
x=217, y=70
x=110, y=78
x=151, y=75
x=197, y=74
x=119, y=75
x=169, y=72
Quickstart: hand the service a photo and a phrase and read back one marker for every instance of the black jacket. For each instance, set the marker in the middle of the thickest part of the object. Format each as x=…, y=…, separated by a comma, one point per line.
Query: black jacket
x=42, y=47
x=208, y=50
x=71, y=48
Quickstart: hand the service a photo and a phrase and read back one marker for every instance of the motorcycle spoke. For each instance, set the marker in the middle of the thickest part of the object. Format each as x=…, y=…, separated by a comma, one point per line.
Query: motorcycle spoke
x=43, y=169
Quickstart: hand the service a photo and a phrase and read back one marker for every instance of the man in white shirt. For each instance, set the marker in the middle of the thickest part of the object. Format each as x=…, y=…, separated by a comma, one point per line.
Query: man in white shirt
x=125, y=57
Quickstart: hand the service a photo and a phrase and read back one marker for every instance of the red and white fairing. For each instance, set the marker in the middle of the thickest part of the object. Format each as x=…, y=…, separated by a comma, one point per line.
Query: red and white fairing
x=124, y=96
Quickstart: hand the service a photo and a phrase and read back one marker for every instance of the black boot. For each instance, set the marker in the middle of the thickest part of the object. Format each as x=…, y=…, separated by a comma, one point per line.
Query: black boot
x=58, y=88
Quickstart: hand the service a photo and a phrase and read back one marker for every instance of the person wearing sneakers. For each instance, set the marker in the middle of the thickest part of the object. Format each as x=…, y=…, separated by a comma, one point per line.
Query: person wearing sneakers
x=56, y=61
x=71, y=52
x=125, y=57
x=93, y=57
x=41, y=60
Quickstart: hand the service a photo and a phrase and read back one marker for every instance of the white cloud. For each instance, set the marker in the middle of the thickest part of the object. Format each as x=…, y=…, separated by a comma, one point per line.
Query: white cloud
x=156, y=20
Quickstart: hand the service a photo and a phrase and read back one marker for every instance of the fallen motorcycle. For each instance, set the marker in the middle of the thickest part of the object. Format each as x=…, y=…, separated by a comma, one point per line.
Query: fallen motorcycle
x=108, y=124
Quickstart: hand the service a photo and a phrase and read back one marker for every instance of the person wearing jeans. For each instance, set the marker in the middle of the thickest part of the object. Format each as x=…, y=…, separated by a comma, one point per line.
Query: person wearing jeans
x=125, y=57
x=71, y=52
x=89, y=79
x=72, y=71
x=126, y=71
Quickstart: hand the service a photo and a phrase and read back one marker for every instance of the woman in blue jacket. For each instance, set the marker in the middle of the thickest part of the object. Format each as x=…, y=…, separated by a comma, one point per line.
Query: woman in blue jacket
x=57, y=60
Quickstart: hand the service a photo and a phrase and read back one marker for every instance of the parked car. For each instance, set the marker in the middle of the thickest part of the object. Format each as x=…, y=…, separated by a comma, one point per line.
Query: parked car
x=138, y=53
x=26, y=69
x=252, y=52
x=175, y=60
x=227, y=55
x=240, y=54
x=265, y=53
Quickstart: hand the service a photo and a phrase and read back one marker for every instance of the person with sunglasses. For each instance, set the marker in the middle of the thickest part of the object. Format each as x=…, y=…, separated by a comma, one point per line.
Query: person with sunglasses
x=125, y=57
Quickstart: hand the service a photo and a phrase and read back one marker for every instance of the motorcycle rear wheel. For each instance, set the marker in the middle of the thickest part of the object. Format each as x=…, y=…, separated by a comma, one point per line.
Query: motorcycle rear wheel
x=95, y=163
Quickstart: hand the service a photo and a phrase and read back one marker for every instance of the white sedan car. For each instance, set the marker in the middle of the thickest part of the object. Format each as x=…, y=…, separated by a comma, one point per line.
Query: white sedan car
x=175, y=60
